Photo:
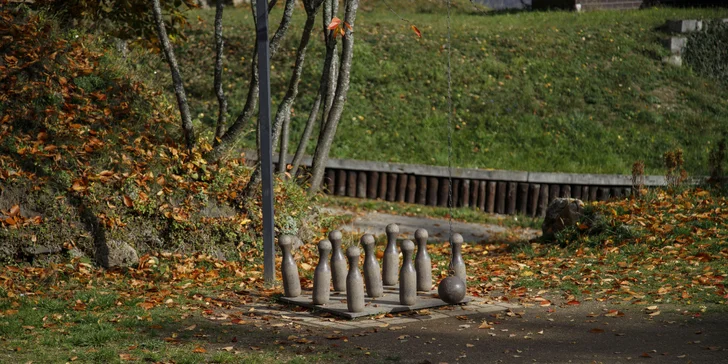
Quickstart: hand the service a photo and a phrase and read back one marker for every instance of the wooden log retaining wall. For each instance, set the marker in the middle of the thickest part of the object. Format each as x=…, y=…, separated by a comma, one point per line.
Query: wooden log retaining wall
x=492, y=191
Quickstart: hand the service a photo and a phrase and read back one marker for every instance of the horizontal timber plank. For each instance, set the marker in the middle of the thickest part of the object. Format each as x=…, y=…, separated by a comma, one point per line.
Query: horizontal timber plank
x=606, y=180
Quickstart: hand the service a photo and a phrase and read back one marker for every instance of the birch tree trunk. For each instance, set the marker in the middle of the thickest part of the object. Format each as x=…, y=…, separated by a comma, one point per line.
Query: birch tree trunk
x=231, y=136
x=303, y=143
x=221, y=99
x=179, y=88
x=281, y=127
x=326, y=137
x=331, y=62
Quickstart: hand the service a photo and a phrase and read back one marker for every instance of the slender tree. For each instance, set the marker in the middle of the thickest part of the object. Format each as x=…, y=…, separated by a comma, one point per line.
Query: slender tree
x=283, y=115
x=179, y=88
x=326, y=137
x=231, y=136
x=221, y=99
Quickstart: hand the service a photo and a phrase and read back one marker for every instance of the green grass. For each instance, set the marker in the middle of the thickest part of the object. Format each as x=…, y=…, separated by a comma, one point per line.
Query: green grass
x=53, y=330
x=537, y=91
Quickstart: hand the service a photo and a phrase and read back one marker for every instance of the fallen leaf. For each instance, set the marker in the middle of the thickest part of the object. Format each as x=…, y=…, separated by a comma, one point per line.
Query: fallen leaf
x=128, y=202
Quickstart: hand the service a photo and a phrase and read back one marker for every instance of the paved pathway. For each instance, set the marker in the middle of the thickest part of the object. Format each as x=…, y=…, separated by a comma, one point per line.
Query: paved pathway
x=439, y=229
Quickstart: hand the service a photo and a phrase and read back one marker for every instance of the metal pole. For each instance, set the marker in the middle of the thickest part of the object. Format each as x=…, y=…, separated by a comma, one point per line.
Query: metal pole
x=266, y=150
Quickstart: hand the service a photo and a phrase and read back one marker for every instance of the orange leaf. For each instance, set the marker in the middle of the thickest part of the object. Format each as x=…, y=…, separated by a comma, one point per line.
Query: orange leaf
x=335, y=22
x=417, y=31
x=146, y=305
x=573, y=303
x=78, y=187
x=128, y=202
x=199, y=350
x=348, y=26
x=15, y=210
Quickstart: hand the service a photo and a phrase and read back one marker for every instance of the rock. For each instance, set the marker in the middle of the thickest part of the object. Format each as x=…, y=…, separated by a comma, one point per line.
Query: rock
x=561, y=213
x=117, y=254
x=673, y=60
x=675, y=45
x=42, y=250
x=76, y=253
x=217, y=254
x=685, y=26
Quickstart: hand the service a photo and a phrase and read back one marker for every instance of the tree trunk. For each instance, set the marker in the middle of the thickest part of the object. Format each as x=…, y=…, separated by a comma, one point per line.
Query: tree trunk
x=327, y=87
x=337, y=108
x=251, y=102
x=221, y=100
x=330, y=63
x=179, y=88
x=303, y=143
x=281, y=127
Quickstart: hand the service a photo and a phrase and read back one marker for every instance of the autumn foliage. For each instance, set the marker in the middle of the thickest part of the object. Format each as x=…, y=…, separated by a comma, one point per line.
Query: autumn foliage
x=88, y=151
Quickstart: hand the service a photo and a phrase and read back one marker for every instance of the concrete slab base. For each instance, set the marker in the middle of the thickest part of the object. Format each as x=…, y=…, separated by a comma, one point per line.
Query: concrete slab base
x=389, y=303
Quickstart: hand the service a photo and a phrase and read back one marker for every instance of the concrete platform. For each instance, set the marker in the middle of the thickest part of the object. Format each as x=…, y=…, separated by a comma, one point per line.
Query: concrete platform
x=389, y=303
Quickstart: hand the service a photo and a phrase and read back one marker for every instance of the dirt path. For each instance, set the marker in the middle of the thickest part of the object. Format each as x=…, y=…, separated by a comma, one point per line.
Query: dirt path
x=581, y=334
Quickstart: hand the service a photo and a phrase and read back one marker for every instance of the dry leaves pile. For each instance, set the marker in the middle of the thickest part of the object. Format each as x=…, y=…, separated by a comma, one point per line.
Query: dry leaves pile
x=677, y=251
x=81, y=132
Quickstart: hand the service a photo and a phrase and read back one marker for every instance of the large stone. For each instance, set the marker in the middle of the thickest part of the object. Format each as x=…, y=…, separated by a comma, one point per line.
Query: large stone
x=674, y=60
x=675, y=45
x=685, y=26
x=561, y=213
x=116, y=254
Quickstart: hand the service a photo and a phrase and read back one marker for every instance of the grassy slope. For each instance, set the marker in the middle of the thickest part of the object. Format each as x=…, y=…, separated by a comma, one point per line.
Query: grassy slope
x=540, y=91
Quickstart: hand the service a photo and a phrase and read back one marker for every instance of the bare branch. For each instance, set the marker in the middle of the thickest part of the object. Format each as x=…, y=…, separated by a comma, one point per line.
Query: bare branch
x=179, y=89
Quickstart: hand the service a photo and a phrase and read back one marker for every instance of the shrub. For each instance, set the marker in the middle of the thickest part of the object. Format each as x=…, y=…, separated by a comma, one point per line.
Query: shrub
x=124, y=19
x=707, y=51
x=674, y=162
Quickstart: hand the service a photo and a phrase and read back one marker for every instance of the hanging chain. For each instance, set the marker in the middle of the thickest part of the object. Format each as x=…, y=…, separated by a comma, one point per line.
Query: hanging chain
x=450, y=202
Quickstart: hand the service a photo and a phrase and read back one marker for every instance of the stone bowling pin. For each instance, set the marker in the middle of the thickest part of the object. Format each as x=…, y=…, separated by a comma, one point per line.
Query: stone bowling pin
x=390, y=261
x=407, y=276
x=372, y=275
x=289, y=270
x=322, y=275
x=338, y=262
x=423, y=263
x=354, y=282
x=457, y=265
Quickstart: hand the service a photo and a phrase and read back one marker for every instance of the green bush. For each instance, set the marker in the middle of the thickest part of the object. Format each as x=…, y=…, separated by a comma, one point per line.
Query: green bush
x=124, y=19
x=707, y=51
